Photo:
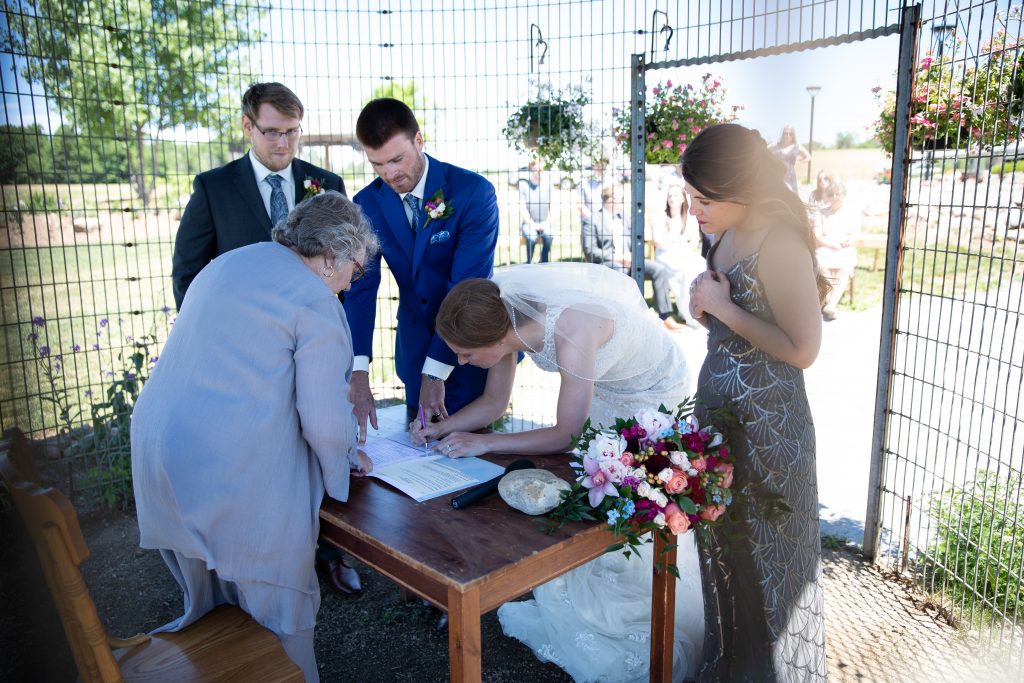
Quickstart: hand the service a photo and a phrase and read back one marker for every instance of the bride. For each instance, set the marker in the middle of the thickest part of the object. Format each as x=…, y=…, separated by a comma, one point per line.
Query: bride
x=591, y=325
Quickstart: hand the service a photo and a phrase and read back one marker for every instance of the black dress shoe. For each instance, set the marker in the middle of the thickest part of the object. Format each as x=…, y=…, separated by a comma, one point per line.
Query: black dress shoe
x=340, y=576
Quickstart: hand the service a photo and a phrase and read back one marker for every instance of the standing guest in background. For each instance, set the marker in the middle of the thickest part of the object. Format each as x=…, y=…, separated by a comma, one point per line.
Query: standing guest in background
x=535, y=195
x=836, y=228
x=760, y=300
x=437, y=225
x=239, y=203
x=607, y=241
x=234, y=442
x=790, y=152
x=677, y=245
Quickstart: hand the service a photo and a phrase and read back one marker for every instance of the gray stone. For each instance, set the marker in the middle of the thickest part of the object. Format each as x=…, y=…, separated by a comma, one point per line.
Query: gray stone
x=532, y=491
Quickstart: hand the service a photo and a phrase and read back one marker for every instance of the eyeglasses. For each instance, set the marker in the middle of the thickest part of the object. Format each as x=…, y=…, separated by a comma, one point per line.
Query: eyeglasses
x=275, y=135
x=359, y=272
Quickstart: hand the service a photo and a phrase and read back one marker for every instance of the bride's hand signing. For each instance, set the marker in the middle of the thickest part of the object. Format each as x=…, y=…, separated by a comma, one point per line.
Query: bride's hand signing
x=710, y=293
x=463, y=445
x=420, y=434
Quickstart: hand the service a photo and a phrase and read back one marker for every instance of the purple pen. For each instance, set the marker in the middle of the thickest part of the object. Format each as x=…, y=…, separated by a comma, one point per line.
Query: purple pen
x=423, y=425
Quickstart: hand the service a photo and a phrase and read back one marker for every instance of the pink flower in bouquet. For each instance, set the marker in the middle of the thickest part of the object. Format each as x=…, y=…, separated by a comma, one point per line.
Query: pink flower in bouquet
x=677, y=484
x=710, y=513
x=725, y=469
x=699, y=463
x=627, y=459
x=598, y=480
x=654, y=422
x=678, y=522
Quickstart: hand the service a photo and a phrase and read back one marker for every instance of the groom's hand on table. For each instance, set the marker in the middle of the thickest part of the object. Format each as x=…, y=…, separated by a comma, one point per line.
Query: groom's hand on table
x=362, y=402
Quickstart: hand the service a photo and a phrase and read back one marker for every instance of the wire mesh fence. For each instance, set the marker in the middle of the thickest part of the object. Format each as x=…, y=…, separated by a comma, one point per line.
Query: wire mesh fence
x=949, y=486
x=110, y=109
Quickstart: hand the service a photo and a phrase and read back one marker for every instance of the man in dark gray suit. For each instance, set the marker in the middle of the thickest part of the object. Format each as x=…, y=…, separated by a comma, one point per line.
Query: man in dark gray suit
x=607, y=240
x=238, y=203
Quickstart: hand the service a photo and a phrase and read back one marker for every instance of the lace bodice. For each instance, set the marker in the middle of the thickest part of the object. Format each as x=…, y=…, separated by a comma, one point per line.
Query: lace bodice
x=648, y=366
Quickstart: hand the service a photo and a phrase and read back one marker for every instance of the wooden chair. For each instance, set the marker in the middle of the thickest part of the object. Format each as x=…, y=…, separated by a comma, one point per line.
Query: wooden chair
x=225, y=645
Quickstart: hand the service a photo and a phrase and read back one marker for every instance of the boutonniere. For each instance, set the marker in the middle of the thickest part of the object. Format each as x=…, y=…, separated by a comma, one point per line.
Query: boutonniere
x=313, y=187
x=437, y=208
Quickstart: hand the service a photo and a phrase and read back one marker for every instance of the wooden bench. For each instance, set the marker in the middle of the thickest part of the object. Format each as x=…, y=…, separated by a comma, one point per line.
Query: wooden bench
x=224, y=645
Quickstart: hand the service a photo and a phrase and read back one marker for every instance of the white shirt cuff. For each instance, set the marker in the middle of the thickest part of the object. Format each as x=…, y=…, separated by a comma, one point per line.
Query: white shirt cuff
x=437, y=368
x=361, y=363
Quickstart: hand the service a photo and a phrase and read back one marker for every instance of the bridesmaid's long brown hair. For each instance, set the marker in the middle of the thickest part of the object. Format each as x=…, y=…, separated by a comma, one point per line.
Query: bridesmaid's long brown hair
x=730, y=163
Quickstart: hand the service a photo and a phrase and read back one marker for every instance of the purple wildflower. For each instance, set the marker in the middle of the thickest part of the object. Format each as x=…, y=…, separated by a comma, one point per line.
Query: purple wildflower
x=39, y=321
x=76, y=348
x=33, y=337
x=104, y=322
x=129, y=375
x=44, y=351
x=154, y=359
x=166, y=310
x=88, y=392
x=95, y=347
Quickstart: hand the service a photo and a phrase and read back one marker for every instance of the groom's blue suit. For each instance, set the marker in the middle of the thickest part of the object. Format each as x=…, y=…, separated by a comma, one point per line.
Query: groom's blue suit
x=425, y=266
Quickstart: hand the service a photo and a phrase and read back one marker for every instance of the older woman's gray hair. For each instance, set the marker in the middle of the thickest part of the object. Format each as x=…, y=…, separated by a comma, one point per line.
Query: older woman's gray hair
x=327, y=224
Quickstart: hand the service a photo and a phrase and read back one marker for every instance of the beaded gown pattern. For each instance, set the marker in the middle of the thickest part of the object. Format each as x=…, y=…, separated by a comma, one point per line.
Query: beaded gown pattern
x=764, y=618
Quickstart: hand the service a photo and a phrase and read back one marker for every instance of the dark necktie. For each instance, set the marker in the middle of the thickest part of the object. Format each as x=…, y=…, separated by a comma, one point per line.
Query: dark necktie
x=278, y=203
x=414, y=204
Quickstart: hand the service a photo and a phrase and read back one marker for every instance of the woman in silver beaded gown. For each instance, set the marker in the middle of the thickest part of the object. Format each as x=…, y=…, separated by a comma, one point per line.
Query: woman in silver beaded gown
x=760, y=300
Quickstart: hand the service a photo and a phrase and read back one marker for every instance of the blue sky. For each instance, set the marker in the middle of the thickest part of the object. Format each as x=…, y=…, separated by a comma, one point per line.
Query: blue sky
x=473, y=63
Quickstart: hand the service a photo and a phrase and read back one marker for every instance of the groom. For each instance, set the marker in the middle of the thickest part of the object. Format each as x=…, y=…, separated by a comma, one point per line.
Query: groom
x=437, y=225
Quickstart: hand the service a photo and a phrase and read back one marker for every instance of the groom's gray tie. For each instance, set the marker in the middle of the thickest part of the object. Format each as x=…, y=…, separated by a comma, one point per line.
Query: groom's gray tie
x=278, y=203
x=414, y=204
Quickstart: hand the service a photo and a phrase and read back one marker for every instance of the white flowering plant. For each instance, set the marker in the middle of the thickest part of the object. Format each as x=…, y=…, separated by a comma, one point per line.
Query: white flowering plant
x=552, y=128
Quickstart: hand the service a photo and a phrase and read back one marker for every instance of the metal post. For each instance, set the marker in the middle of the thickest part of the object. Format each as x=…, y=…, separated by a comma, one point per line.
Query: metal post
x=813, y=91
x=910, y=28
x=638, y=150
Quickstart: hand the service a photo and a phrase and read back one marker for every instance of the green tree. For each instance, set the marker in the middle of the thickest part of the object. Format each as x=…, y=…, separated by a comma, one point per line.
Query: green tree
x=24, y=154
x=129, y=70
x=408, y=92
x=846, y=140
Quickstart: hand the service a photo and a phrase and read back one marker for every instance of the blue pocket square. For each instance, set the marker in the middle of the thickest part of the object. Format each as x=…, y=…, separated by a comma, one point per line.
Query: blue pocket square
x=442, y=236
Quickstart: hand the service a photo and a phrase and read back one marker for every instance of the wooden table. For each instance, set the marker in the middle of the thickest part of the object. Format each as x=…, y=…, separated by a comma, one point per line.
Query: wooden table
x=468, y=562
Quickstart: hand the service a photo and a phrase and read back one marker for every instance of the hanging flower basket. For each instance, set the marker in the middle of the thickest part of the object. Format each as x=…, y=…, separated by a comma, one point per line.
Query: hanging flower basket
x=675, y=114
x=954, y=106
x=552, y=128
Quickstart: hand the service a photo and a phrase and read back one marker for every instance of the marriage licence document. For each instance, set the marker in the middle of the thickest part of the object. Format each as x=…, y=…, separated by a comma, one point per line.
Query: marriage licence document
x=422, y=474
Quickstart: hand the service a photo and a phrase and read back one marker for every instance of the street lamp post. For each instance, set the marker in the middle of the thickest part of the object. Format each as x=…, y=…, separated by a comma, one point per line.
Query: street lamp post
x=813, y=91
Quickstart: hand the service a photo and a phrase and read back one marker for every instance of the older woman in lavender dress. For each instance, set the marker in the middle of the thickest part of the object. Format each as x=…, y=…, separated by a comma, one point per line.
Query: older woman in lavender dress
x=246, y=420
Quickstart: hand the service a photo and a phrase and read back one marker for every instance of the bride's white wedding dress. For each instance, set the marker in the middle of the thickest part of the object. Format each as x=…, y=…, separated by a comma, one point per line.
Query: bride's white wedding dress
x=595, y=621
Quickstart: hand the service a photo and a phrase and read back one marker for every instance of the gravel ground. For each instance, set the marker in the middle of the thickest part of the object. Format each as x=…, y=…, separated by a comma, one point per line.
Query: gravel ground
x=878, y=629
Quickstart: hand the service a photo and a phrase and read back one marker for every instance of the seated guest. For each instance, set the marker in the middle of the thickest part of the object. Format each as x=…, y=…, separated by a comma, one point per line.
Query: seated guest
x=246, y=419
x=818, y=197
x=677, y=245
x=835, y=232
x=607, y=240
